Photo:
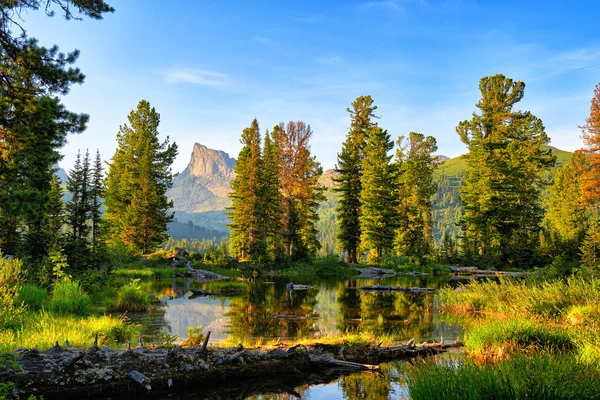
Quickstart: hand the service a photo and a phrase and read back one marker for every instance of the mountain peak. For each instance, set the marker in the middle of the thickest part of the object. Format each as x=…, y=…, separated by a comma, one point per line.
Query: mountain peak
x=210, y=163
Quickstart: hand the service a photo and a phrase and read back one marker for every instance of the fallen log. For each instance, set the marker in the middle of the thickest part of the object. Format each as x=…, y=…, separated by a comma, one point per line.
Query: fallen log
x=199, y=275
x=74, y=373
x=294, y=286
x=375, y=272
x=379, y=288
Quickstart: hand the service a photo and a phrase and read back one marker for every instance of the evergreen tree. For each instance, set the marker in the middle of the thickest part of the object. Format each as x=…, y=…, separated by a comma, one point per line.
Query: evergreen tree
x=271, y=198
x=502, y=214
x=247, y=239
x=590, y=248
x=137, y=208
x=566, y=216
x=590, y=187
x=74, y=185
x=414, y=193
x=34, y=123
x=97, y=189
x=349, y=169
x=299, y=174
x=377, y=218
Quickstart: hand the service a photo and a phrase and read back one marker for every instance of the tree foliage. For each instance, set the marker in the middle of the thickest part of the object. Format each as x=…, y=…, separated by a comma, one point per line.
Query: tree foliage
x=590, y=185
x=349, y=170
x=137, y=208
x=502, y=213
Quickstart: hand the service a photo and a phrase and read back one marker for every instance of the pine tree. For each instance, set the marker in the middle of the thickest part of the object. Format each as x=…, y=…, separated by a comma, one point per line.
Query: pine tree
x=377, y=219
x=271, y=199
x=137, y=207
x=502, y=214
x=74, y=186
x=590, y=248
x=97, y=189
x=566, y=215
x=414, y=191
x=246, y=212
x=590, y=187
x=55, y=217
x=349, y=169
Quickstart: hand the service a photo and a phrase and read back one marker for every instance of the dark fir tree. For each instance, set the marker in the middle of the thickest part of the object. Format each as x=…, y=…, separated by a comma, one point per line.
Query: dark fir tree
x=246, y=212
x=501, y=195
x=137, y=207
x=378, y=215
x=349, y=169
x=34, y=122
x=96, y=192
x=414, y=192
x=271, y=199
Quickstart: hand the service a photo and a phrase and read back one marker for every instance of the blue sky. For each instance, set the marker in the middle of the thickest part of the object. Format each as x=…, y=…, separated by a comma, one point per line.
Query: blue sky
x=210, y=67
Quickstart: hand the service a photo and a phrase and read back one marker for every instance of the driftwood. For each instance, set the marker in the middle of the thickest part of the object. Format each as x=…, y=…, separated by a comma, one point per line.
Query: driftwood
x=291, y=316
x=294, y=286
x=74, y=373
x=375, y=272
x=379, y=288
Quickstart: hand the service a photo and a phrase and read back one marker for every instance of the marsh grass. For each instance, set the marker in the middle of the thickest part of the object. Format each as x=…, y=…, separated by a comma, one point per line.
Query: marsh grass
x=31, y=296
x=132, y=297
x=538, y=376
x=43, y=329
x=69, y=298
x=352, y=339
x=140, y=270
x=228, y=288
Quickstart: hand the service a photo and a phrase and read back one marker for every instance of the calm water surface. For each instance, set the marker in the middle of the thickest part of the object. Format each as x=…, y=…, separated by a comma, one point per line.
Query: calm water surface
x=332, y=307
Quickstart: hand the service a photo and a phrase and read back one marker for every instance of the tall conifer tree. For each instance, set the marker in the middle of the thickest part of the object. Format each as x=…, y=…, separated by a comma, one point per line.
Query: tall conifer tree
x=414, y=190
x=137, y=207
x=590, y=187
x=247, y=217
x=349, y=169
x=377, y=218
x=502, y=211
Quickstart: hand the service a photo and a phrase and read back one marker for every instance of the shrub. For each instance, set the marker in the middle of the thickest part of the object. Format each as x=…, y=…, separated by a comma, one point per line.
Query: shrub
x=31, y=296
x=69, y=298
x=10, y=281
x=195, y=336
x=132, y=297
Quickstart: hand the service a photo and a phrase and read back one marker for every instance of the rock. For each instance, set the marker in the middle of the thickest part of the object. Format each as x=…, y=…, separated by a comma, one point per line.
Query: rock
x=138, y=377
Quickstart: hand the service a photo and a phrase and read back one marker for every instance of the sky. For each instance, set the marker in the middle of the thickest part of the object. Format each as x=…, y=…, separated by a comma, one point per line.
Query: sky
x=210, y=67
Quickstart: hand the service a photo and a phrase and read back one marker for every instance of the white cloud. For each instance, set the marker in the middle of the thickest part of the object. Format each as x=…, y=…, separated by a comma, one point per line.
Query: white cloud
x=393, y=5
x=196, y=77
x=262, y=39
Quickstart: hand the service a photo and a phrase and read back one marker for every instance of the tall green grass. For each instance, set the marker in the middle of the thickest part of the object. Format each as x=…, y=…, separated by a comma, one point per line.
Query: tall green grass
x=132, y=297
x=69, y=298
x=539, y=376
x=42, y=329
x=31, y=296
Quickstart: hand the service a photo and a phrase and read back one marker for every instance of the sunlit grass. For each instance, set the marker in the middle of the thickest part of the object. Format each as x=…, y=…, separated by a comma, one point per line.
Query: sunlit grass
x=43, y=329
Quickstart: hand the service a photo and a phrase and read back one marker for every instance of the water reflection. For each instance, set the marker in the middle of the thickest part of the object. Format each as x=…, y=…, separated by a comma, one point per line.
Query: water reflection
x=271, y=311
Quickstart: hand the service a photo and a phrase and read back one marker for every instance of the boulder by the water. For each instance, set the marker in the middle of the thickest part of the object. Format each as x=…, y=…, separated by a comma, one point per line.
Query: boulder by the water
x=293, y=286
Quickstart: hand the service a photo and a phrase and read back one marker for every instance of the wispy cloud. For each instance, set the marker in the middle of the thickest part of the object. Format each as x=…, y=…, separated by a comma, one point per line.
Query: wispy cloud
x=389, y=5
x=196, y=77
x=311, y=19
x=262, y=39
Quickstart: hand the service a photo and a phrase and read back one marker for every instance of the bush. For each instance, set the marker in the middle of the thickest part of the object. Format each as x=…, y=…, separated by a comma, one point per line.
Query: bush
x=195, y=336
x=69, y=298
x=31, y=296
x=10, y=281
x=132, y=297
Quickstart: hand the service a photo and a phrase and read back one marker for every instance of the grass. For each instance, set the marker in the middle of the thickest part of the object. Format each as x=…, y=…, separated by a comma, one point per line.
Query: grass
x=69, y=298
x=228, y=272
x=524, y=338
x=540, y=376
x=31, y=296
x=132, y=297
x=141, y=271
x=228, y=288
x=43, y=329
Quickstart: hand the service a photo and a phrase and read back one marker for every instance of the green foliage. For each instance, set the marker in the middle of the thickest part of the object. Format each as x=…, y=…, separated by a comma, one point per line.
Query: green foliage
x=590, y=249
x=69, y=298
x=11, y=277
x=349, y=173
x=137, y=208
x=501, y=196
x=195, y=337
x=43, y=329
x=541, y=376
x=415, y=188
x=31, y=296
x=378, y=214
x=132, y=297
x=166, y=339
